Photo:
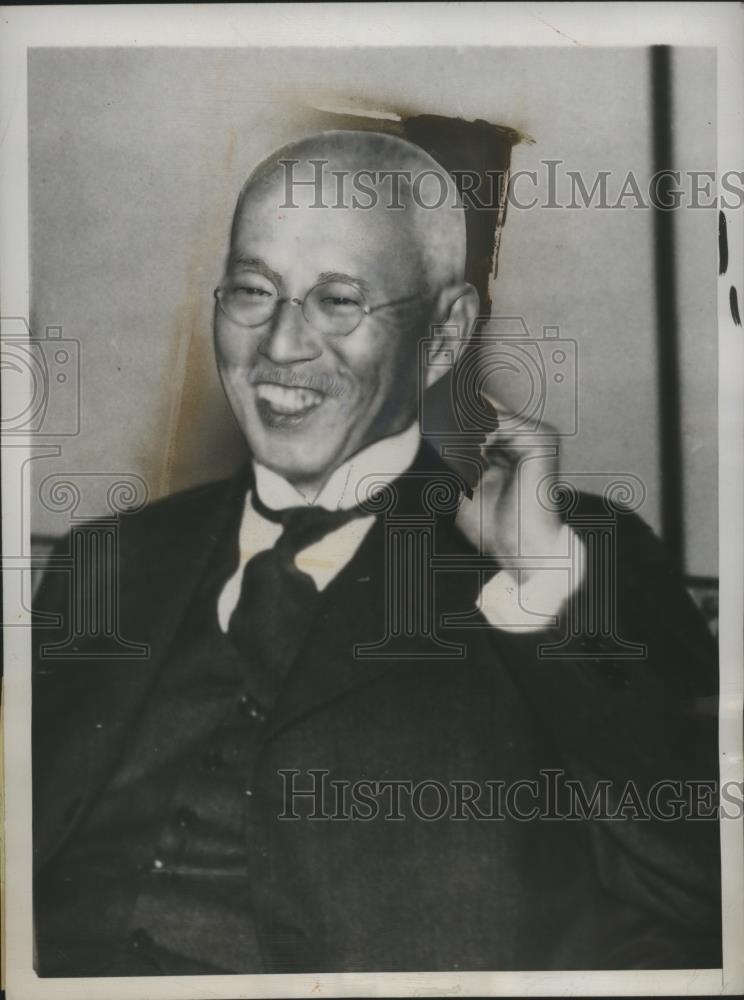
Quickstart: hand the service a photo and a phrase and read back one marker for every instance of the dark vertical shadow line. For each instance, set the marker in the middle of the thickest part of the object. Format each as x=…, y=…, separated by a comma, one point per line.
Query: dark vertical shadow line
x=734, y=304
x=722, y=244
x=670, y=431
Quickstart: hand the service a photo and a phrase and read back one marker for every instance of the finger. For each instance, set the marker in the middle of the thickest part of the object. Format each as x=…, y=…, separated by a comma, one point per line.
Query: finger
x=507, y=419
x=518, y=431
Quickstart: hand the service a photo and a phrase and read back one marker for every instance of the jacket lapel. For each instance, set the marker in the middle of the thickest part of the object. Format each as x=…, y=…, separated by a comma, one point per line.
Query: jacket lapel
x=169, y=560
x=164, y=554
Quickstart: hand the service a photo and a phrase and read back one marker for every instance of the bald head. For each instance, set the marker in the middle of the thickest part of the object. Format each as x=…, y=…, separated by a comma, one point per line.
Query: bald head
x=375, y=177
x=347, y=250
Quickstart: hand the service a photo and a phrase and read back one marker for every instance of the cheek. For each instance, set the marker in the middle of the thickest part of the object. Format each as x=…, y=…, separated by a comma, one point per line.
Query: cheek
x=233, y=349
x=373, y=364
x=390, y=370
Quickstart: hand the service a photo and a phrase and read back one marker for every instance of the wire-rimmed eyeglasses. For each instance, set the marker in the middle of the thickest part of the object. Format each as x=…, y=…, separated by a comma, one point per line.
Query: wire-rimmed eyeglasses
x=333, y=307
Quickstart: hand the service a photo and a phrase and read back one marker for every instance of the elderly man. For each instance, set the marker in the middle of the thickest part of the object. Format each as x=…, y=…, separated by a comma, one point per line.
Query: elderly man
x=240, y=801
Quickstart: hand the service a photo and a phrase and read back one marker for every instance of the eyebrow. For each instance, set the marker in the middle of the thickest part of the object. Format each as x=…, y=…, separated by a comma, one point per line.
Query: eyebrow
x=259, y=265
x=239, y=260
x=340, y=276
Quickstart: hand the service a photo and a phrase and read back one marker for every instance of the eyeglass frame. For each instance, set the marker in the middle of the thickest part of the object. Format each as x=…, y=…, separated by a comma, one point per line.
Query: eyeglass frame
x=367, y=309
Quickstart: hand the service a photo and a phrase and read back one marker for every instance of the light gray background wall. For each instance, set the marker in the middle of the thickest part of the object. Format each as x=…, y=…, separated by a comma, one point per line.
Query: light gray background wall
x=136, y=157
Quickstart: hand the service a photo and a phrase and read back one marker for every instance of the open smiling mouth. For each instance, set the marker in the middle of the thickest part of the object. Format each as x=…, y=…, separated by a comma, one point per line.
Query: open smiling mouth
x=286, y=405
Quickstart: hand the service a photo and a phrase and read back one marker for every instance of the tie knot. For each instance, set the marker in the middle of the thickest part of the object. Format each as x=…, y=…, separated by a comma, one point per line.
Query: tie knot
x=303, y=526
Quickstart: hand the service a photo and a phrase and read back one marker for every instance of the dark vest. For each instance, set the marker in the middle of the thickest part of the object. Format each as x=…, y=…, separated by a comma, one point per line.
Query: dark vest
x=155, y=880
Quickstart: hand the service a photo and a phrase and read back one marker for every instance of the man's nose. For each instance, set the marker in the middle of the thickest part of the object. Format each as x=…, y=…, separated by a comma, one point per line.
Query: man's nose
x=290, y=337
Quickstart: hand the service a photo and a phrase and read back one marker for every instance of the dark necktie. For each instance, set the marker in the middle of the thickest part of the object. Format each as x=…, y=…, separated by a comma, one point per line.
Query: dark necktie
x=277, y=600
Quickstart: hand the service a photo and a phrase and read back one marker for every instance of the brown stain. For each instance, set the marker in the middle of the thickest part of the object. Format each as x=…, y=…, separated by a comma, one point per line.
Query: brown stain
x=461, y=145
x=482, y=148
x=187, y=399
x=375, y=112
x=192, y=352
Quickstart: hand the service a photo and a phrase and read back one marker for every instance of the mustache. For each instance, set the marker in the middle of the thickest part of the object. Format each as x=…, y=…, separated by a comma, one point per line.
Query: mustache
x=295, y=379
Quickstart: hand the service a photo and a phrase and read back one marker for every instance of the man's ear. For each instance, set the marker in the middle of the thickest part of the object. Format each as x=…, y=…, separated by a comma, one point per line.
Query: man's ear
x=453, y=317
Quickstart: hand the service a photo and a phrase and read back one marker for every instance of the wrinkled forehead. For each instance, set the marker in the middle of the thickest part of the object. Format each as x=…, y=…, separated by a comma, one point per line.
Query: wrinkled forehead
x=284, y=224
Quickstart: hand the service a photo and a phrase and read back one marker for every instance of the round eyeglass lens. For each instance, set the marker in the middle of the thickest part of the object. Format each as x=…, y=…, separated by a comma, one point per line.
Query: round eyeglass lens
x=249, y=299
x=335, y=308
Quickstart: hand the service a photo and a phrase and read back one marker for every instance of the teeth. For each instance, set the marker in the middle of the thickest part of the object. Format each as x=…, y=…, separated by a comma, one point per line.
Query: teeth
x=288, y=400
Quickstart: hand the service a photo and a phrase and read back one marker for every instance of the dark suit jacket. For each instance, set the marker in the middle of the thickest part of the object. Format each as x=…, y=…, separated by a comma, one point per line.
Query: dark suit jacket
x=386, y=895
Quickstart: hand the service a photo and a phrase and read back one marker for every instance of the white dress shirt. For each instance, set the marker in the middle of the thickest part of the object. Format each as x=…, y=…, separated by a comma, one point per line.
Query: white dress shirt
x=507, y=601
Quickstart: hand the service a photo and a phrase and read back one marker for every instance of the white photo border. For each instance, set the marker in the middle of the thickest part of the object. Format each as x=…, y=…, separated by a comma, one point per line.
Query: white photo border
x=717, y=25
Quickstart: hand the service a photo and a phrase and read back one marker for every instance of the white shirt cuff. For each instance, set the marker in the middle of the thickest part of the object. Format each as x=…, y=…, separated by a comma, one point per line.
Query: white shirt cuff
x=517, y=601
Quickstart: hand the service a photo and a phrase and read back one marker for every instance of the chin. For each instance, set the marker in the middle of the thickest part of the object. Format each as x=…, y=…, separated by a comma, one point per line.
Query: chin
x=307, y=469
x=295, y=456
x=304, y=446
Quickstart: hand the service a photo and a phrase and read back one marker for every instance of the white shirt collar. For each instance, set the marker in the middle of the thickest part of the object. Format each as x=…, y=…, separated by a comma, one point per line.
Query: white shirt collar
x=385, y=459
